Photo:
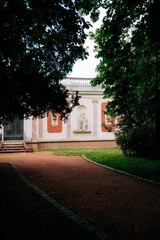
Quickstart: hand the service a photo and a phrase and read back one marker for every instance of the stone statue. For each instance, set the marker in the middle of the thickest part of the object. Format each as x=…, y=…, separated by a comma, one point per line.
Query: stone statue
x=83, y=122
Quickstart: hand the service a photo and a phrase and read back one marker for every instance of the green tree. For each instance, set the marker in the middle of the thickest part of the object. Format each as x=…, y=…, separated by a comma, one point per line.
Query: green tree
x=128, y=46
x=39, y=43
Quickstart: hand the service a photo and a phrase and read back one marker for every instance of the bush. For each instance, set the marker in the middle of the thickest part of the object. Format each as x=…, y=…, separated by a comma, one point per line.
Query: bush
x=136, y=141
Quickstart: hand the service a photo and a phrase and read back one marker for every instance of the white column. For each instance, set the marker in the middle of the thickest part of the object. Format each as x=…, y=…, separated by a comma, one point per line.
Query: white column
x=34, y=129
x=40, y=129
x=95, y=117
x=69, y=127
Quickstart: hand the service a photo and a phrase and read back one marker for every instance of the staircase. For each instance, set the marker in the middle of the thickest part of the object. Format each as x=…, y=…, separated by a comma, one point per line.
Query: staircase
x=14, y=147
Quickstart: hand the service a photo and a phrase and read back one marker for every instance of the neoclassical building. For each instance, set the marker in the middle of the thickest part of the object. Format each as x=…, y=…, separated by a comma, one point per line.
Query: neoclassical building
x=87, y=126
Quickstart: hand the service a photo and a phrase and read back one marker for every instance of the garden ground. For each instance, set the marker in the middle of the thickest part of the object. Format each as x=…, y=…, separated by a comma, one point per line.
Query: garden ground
x=122, y=206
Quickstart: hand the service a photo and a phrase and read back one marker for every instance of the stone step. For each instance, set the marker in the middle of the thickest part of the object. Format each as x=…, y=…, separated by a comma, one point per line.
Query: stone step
x=13, y=143
x=11, y=150
x=14, y=146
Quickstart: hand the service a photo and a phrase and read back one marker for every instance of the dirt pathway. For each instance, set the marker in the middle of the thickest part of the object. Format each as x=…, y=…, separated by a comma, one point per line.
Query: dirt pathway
x=124, y=207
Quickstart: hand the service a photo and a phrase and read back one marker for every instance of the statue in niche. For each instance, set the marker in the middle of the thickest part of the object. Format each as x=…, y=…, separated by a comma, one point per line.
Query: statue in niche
x=55, y=120
x=83, y=122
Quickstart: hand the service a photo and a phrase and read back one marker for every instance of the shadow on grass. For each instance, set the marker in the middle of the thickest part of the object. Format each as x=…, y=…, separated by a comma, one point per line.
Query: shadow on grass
x=24, y=214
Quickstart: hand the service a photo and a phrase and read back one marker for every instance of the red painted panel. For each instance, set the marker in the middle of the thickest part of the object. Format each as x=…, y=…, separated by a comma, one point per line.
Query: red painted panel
x=50, y=127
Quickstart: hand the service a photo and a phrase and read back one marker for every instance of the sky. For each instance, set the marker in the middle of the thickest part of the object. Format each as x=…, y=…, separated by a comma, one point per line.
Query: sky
x=87, y=67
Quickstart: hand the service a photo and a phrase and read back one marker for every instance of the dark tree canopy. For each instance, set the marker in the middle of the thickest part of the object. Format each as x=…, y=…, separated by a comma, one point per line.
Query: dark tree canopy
x=128, y=46
x=39, y=43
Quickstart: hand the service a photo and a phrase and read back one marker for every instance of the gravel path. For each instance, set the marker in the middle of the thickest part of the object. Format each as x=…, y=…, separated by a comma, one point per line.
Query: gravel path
x=122, y=206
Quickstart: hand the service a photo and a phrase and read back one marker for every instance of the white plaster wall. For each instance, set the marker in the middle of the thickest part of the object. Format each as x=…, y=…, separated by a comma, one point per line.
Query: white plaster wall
x=53, y=136
x=28, y=129
x=87, y=101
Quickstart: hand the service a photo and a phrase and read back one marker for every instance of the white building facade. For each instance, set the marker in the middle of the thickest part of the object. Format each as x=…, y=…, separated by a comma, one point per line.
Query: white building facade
x=87, y=126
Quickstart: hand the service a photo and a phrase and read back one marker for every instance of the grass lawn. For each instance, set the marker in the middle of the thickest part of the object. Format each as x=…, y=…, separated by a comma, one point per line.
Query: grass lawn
x=149, y=169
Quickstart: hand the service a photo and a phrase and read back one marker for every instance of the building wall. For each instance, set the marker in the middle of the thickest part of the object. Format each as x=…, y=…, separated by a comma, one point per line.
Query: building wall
x=91, y=108
x=44, y=130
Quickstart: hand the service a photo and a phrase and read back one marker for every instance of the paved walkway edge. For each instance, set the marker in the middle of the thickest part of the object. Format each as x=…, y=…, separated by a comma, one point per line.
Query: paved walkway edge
x=92, y=229
x=121, y=172
x=110, y=168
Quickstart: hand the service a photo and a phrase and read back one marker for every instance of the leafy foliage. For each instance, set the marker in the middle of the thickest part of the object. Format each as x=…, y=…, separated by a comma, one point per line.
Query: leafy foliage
x=39, y=43
x=136, y=141
x=128, y=46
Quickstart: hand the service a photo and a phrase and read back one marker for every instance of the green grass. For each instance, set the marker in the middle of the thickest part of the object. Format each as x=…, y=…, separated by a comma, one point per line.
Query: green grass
x=149, y=169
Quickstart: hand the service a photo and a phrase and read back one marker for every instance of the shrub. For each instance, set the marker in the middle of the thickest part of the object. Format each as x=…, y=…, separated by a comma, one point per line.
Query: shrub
x=136, y=141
